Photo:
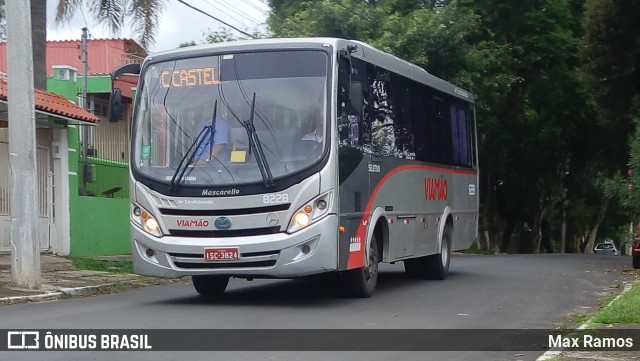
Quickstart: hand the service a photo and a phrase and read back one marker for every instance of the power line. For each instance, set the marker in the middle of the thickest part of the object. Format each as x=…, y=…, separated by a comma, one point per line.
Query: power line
x=222, y=11
x=255, y=7
x=236, y=10
x=213, y=17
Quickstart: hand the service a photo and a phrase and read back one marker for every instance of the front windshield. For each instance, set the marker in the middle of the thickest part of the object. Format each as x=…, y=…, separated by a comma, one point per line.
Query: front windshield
x=177, y=135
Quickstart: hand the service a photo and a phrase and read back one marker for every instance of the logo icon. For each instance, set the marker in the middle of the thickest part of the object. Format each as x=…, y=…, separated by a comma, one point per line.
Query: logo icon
x=23, y=340
x=272, y=219
x=222, y=223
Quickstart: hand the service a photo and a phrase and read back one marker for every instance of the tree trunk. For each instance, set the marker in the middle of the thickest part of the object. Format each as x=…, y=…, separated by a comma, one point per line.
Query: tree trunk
x=546, y=239
x=594, y=230
x=537, y=228
x=508, y=232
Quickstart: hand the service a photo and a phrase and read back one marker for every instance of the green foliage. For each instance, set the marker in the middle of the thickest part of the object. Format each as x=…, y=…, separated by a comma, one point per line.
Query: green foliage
x=628, y=188
x=104, y=265
x=225, y=34
x=518, y=58
x=555, y=84
x=623, y=311
x=350, y=19
x=611, y=70
x=187, y=44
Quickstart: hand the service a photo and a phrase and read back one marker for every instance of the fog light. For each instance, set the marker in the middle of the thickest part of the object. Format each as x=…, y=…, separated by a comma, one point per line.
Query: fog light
x=136, y=211
x=306, y=249
x=150, y=253
x=302, y=219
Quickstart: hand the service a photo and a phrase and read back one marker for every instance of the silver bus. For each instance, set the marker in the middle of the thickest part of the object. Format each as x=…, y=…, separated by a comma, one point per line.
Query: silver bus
x=283, y=158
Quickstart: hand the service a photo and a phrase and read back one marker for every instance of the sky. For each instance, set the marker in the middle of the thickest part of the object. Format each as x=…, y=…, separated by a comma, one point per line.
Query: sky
x=178, y=22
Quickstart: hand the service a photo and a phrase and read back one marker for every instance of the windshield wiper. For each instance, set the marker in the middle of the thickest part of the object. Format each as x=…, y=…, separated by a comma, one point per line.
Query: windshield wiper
x=254, y=142
x=193, y=149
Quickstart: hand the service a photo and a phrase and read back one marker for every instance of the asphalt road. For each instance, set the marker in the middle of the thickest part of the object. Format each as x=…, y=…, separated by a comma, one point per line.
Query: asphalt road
x=482, y=292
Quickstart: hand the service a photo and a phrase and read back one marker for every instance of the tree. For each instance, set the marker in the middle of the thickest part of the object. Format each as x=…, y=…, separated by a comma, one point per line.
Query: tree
x=519, y=58
x=142, y=13
x=611, y=69
x=187, y=44
x=532, y=133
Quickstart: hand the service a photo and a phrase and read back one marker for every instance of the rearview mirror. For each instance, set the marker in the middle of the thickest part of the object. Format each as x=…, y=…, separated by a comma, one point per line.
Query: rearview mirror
x=115, y=105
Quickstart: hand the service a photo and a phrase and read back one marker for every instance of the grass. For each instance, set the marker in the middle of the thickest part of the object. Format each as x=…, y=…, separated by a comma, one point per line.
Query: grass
x=622, y=311
x=104, y=265
x=579, y=318
x=478, y=251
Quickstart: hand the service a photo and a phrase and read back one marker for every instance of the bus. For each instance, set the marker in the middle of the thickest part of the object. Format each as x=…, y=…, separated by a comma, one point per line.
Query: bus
x=335, y=157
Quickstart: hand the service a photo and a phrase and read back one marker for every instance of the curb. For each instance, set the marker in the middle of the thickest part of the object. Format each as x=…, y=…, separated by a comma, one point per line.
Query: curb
x=556, y=353
x=56, y=295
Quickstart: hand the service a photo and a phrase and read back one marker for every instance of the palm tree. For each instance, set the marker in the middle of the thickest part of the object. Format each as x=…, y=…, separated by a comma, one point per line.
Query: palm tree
x=142, y=13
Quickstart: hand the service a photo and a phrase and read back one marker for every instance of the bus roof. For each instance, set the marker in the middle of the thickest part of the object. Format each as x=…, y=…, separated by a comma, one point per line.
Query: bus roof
x=364, y=51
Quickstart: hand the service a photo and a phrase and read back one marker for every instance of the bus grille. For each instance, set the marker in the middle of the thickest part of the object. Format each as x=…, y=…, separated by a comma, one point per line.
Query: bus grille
x=230, y=233
x=224, y=212
x=210, y=265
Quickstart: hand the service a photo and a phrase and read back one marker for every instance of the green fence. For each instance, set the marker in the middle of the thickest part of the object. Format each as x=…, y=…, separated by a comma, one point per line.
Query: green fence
x=103, y=178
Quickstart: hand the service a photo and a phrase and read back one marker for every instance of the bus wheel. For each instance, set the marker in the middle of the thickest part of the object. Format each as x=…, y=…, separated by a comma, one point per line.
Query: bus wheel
x=362, y=282
x=434, y=267
x=636, y=261
x=209, y=285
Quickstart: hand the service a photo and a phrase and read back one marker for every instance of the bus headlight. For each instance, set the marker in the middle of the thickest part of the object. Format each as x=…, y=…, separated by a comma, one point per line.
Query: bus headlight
x=310, y=212
x=145, y=220
x=302, y=219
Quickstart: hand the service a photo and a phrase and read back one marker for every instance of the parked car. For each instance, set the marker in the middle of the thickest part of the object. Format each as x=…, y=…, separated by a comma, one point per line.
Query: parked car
x=635, y=253
x=606, y=248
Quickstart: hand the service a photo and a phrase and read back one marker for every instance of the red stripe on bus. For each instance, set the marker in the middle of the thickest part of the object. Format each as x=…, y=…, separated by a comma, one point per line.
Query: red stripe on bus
x=356, y=258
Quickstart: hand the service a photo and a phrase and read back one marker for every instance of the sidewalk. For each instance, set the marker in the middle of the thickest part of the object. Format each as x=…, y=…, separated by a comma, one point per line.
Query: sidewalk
x=60, y=280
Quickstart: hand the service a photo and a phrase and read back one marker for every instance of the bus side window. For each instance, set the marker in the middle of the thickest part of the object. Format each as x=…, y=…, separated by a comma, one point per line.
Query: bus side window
x=460, y=135
x=402, y=107
x=351, y=104
x=381, y=120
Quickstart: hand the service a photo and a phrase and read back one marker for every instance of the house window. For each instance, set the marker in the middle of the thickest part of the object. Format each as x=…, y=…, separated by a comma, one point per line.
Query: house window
x=63, y=74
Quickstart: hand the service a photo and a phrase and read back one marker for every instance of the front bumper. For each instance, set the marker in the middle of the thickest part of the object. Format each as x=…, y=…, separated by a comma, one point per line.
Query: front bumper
x=281, y=255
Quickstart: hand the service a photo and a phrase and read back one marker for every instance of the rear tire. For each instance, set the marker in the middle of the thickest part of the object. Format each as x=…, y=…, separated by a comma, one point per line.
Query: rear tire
x=636, y=261
x=361, y=282
x=434, y=267
x=210, y=285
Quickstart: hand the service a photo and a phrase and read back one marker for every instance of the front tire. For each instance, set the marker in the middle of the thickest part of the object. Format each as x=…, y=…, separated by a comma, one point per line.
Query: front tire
x=209, y=285
x=361, y=282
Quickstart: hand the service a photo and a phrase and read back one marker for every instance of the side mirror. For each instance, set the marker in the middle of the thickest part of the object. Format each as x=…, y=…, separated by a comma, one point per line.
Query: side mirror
x=115, y=105
x=115, y=101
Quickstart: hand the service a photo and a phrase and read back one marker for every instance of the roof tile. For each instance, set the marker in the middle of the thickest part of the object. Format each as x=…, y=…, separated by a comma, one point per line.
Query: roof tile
x=54, y=104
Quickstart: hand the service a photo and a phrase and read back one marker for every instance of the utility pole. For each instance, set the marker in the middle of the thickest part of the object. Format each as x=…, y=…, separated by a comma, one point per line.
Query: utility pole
x=85, y=105
x=25, y=250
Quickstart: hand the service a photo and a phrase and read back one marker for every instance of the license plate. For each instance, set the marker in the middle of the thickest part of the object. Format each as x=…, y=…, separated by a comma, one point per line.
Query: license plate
x=220, y=254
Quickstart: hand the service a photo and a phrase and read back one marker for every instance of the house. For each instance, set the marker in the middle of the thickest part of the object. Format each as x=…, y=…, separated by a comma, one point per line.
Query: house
x=98, y=222
x=53, y=168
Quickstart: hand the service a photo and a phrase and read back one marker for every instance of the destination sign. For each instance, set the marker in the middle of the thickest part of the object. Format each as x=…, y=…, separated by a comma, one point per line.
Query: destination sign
x=189, y=77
